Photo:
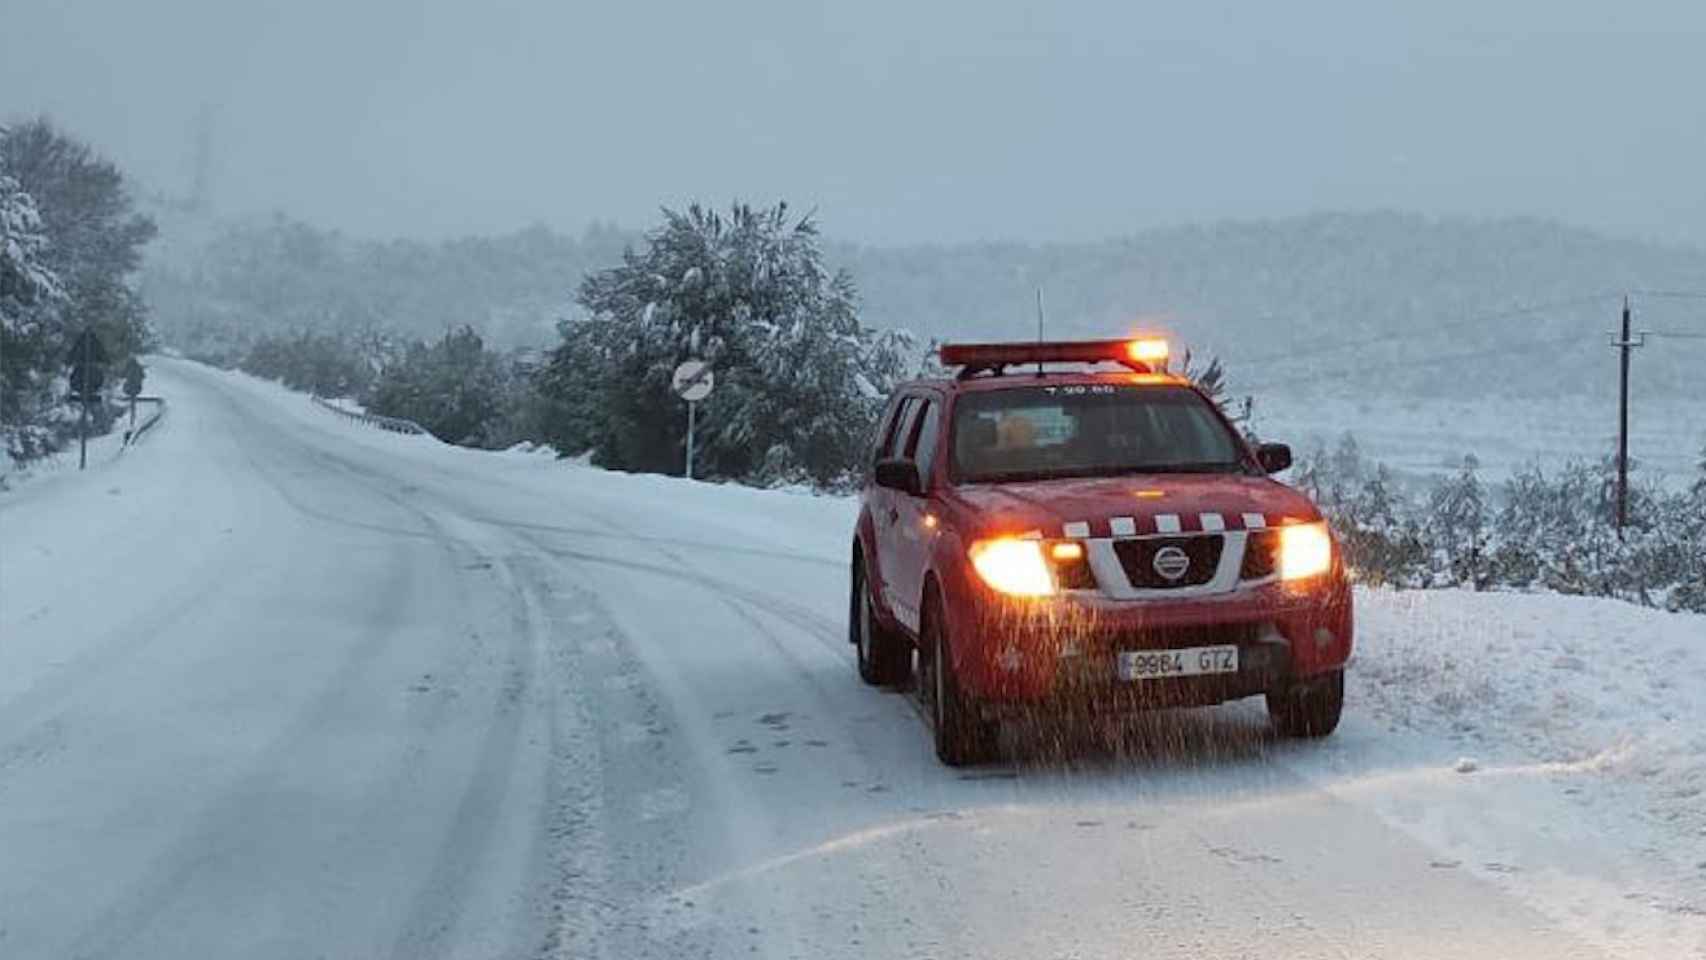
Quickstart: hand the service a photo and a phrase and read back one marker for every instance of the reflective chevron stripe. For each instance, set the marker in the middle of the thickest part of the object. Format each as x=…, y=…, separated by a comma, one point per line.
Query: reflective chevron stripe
x=1166, y=524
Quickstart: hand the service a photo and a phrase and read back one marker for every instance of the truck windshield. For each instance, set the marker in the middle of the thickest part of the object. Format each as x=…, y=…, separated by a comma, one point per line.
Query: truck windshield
x=1081, y=430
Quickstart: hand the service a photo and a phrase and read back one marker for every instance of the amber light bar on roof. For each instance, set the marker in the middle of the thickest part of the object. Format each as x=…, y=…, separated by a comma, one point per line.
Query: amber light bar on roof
x=1147, y=355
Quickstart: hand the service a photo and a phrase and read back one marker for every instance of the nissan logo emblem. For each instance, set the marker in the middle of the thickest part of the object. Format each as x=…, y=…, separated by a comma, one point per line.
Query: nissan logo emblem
x=1171, y=562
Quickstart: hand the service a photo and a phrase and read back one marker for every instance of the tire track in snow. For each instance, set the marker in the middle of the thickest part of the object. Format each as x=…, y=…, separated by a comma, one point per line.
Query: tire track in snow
x=660, y=920
x=573, y=855
x=436, y=908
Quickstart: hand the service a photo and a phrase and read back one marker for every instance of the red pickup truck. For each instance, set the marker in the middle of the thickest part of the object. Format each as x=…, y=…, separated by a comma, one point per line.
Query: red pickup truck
x=1085, y=540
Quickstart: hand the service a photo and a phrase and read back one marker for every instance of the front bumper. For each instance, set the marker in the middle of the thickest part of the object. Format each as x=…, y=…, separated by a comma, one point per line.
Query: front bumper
x=1064, y=650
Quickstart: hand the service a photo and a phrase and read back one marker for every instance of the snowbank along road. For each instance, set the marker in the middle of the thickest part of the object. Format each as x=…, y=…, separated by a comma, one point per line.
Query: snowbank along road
x=275, y=684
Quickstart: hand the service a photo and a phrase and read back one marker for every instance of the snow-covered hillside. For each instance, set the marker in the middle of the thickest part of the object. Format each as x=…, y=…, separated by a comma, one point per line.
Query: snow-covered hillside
x=277, y=684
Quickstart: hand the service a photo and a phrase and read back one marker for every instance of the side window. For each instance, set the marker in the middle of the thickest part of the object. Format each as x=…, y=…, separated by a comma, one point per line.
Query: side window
x=886, y=428
x=902, y=429
x=922, y=449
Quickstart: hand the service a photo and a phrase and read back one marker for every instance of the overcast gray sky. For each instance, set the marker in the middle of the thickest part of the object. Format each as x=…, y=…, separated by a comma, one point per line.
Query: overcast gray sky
x=901, y=120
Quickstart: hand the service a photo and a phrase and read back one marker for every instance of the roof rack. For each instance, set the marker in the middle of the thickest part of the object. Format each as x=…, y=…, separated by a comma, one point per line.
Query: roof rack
x=1146, y=355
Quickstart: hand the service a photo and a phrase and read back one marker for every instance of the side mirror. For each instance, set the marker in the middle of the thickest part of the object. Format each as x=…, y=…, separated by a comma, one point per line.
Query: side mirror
x=901, y=475
x=1273, y=457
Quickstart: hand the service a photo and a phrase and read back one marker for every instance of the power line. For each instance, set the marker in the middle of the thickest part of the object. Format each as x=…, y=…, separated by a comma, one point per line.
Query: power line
x=1428, y=361
x=1675, y=334
x=1673, y=294
x=1343, y=345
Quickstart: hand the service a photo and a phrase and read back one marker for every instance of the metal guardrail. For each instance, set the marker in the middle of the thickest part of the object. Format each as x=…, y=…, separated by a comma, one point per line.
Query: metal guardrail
x=393, y=424
x=135, y=434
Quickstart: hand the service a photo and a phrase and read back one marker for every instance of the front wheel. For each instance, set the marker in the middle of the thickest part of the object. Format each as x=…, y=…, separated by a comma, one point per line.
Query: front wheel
x=1308, y=710
x=884, y=659
x=962, y=736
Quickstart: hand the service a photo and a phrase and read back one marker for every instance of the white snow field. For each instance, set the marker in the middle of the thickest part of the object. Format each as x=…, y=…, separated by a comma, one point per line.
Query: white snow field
x=275, y=684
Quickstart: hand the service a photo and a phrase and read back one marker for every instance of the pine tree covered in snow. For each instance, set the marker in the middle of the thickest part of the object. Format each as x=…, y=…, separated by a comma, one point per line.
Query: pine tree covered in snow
x=799, y=381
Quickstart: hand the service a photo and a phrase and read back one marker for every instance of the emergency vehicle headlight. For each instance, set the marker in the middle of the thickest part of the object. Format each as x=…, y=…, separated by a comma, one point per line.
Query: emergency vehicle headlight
x=1013, y=566
x=1305, y=550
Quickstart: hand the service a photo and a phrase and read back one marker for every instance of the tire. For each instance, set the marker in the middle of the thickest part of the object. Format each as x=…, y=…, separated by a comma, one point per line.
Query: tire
x=1310, y=710
x=962, y=736
x=884, y=658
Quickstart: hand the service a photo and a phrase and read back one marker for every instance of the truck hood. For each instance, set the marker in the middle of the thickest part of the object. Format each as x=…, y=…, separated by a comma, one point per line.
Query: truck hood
x=1137, y=504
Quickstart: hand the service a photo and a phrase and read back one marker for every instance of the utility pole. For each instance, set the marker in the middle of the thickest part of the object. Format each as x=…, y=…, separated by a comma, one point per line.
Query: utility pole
x=1624, y=344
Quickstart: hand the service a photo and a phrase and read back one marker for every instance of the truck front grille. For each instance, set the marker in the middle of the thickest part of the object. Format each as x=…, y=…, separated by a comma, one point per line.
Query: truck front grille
x=1137, y=557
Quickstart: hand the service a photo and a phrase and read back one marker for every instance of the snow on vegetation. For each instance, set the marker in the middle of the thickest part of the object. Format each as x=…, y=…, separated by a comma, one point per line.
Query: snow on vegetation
x=1552, y=530
x=70, y=242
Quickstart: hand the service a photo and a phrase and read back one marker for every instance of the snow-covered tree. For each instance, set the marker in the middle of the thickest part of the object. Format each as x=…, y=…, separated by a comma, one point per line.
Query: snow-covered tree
x=799, y=381
x=1690, y=593
x=25, y=277
x=1312, y=473
x=1457, y=526
x=1211, y=380
x=69, y=242
x=95, y=236
x=1377, y=525
x=326, y=364
x=30, y=297
x=1699, y=487
x=455, y=388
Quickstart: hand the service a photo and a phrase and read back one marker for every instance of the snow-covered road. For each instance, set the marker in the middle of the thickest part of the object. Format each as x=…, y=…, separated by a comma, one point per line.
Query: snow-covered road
x=277, y=685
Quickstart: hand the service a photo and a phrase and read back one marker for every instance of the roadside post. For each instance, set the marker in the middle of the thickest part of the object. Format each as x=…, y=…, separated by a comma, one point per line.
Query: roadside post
x=692, y=382
x=86, y=360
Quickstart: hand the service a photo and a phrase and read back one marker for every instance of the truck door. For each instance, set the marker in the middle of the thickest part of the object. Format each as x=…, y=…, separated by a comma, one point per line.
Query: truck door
x=911, y=536
x=885, y=508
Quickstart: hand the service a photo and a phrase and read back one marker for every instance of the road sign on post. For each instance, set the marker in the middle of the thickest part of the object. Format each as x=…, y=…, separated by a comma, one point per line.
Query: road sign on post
x=692, y=382
x=87, y=359
x=133, y=374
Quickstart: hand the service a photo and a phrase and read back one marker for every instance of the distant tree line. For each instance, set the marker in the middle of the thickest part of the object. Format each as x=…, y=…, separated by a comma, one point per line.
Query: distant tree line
x=225, y=285
x=70, y=243
x=1535, y=531
x=800, y=381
